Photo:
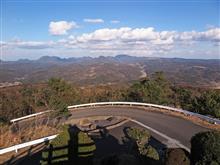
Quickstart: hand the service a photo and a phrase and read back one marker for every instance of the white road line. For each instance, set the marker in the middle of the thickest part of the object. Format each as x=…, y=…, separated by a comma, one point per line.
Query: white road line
x=170, y=140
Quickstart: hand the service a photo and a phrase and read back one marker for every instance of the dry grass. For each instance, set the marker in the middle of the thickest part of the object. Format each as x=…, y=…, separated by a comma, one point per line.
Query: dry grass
x=8, y=138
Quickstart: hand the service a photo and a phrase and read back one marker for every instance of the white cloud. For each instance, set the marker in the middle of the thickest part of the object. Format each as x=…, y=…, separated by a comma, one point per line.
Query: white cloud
x=211, y=34
x=89, y=20
x=126, y=35
x=133, y=41
x=114, y=21
x=145, y=40
x=61, y=27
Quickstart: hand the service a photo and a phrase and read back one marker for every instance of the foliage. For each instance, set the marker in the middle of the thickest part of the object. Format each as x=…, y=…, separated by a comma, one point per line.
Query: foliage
x=183, y=97
x=155, y=90
x=57, y=94
x=12, y=106
x=208, y=103
x=150, y=152
x=141, y=136
x=174, y=155
x=205, y=148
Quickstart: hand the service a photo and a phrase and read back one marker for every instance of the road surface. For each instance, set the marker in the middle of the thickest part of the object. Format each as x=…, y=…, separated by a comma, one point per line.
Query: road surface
x=172, y=126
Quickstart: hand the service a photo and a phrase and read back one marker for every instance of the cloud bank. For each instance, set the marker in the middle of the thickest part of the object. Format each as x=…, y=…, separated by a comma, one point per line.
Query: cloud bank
x=134, y=41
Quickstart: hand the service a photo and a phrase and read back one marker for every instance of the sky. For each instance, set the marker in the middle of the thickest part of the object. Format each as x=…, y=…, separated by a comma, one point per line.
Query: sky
x=173, y=28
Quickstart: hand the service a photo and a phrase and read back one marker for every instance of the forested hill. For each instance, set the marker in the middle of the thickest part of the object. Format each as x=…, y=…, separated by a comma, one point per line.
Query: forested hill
x=118, y=69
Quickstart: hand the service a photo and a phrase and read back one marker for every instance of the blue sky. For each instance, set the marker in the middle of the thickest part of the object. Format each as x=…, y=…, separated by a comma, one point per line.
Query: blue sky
x=188, y=29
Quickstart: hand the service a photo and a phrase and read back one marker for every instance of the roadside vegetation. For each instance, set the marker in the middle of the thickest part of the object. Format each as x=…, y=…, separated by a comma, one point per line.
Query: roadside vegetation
x=57, y=94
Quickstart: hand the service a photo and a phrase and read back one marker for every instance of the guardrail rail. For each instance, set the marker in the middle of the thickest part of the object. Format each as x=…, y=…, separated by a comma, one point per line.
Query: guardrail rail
x=27, y=144
x=203, y=117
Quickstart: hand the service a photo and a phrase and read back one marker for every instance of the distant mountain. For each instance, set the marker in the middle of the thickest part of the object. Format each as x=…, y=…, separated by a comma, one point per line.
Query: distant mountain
x=118, y=69
x=53, y=59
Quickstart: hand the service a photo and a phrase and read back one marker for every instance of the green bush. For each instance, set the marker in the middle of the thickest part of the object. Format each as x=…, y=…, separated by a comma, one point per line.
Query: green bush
x=205, y=148
x=208, y=103
x=141, y=136
x=151, y=153
x=176, y=156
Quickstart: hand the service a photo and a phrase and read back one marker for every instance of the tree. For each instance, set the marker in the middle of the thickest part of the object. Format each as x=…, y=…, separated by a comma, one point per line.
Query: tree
x=208, y=103
x=205, y=148
x=58, y=95
x=155, y=90
x=183, y=98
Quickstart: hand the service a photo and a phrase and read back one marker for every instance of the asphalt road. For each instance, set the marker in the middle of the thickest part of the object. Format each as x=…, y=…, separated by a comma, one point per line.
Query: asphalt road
x=172, y=126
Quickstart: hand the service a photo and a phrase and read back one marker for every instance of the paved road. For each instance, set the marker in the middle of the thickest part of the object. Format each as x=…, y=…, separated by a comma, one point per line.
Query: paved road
x=174, y=127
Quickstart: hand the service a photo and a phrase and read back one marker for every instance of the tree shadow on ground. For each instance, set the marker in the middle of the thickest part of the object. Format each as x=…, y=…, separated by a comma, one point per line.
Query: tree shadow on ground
x=106, y=146
x=54, y=154
x=106, y=143
x=72, y=153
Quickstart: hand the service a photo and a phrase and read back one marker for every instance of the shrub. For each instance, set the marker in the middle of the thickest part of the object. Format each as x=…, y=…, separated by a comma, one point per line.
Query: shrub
x=208, y=103
x=205, y=148
x=141, y=136
x=151, y=153
x=174, y=155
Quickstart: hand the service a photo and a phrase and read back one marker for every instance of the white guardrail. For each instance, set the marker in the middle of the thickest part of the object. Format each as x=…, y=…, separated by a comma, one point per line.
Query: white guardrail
x=203, y=117
x=23, y=145
x=28, y=116
x=44, y=139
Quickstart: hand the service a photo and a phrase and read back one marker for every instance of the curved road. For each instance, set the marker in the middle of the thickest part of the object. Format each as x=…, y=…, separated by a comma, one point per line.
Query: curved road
x=172, y=126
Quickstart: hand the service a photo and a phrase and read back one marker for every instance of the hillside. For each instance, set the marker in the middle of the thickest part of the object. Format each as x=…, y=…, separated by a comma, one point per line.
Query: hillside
x=118, y=69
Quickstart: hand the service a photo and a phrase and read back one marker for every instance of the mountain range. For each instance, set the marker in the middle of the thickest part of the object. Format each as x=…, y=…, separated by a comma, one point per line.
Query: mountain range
x=117, y=69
